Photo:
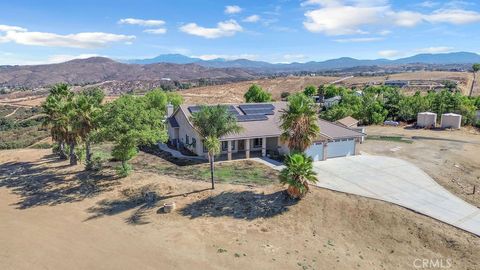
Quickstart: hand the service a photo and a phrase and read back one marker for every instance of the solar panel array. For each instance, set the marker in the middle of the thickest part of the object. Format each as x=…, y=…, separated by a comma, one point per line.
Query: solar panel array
x=252, y=112
x=249, y=118
x=257, y=109
x=231, y=109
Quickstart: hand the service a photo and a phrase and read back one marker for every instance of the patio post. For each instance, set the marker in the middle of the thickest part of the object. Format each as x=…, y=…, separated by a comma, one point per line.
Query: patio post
x=229, y=150
x=247, y=148
x=264, y=146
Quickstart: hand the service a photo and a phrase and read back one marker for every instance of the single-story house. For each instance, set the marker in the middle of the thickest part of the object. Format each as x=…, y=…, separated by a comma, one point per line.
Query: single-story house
x=260, y=134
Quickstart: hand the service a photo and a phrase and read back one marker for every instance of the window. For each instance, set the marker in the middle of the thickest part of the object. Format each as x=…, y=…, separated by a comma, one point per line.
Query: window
x=225, y=145
x=194, y=143
x=187, y=140
x=257, y=143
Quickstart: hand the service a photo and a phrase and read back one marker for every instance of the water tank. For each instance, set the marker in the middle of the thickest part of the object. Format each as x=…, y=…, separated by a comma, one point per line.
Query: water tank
x=426, y=119
x=451, y=120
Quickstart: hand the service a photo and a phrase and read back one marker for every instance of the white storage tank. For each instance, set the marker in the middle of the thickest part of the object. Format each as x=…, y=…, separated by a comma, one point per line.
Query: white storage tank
x=451, y=120
x=426, y=119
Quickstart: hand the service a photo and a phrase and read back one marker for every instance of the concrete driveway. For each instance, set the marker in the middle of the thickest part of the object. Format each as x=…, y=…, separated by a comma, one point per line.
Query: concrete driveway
x=399, y=182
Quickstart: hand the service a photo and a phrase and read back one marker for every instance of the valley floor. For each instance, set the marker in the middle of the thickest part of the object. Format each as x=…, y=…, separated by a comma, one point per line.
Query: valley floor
x=54, y=216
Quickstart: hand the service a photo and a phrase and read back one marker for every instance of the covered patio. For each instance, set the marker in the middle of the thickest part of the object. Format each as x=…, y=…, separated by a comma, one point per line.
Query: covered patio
x=250, y=147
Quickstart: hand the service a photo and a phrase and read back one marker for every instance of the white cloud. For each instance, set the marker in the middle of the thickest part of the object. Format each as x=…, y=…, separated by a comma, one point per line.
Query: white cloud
x=141, y=22
x=157, y=31
x=337, y=17
x=428, y=4
x=366, y=39
x=223, y=29
x=232, y=9
x=6, y=28
x=226, y=56
x=80, y=40
x=341, y=19
x=252, y=18
x=434, y=50
x=455, y=16
x=389, y=53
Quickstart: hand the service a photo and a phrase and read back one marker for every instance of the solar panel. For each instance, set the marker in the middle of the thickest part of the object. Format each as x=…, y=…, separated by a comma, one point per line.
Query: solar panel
x=257, y=106
x=249, y=118
x=258, y=111
x=231, y=109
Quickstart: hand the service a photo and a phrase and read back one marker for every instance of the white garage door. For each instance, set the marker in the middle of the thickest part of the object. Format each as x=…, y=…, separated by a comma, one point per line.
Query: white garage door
x=341, y=148
x=315, y=151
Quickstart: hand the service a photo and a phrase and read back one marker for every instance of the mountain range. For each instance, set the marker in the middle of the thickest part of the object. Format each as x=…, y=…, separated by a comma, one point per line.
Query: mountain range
x=174, y=68
x=338, y=63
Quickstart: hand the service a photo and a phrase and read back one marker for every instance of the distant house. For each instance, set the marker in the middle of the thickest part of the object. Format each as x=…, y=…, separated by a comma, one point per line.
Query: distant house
x=329, y=102
x=260, y=135
x=397, y=83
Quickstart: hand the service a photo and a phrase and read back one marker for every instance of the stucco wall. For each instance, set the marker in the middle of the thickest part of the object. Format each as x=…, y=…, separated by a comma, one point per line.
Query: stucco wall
x=187, y=129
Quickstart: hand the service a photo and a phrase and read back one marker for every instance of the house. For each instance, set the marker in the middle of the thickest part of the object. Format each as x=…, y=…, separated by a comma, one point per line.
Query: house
x=260, y=134
x=329, y=102
x=397, y=83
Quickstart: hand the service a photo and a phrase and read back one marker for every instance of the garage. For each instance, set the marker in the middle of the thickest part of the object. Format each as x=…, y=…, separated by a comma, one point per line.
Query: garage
x=341, y=148
x=315, y=151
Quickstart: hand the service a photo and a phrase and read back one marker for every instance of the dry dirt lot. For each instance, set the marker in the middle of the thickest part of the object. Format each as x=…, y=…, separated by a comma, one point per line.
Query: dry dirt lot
x=451, y=157
x=54, y=216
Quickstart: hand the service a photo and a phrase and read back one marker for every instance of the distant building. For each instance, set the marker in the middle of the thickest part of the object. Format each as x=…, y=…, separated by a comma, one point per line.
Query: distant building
x=329, y=102
x=397, y=83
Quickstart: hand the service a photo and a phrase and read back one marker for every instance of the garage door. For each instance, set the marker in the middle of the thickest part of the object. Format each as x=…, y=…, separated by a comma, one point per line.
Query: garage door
x=341, y=148
x=315, y=151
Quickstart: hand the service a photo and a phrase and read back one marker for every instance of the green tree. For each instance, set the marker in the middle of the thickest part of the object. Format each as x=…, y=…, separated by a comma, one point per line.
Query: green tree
x=297, y=174
x=212, y=123
x=160, y=99
x=299, y=122
x=310, y=91
x=256, y=94
x=131, y=121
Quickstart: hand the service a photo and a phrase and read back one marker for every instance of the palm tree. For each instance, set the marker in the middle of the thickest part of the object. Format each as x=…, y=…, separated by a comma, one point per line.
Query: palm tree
x=87, y=109
x=299, y=122
x=212, y=123
x=56, y=108
x=297, y=173
x=475, y=68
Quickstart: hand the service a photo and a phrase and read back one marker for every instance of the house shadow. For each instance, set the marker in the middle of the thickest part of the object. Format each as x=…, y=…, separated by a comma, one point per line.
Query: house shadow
x=240, y=205
x=141, y=200
x=38, y=185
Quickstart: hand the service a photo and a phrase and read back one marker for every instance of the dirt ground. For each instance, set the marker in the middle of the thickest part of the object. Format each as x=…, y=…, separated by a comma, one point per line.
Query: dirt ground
x=54, y=216
x=451, y=157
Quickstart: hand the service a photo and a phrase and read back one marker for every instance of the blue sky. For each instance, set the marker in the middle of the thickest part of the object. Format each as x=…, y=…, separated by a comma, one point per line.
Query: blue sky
x=33, y=32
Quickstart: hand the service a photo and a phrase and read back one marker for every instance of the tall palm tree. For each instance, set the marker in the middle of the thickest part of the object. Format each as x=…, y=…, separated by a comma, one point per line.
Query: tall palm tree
x=56, y=108
x=212, y=123
x=299, y=122
x=297, y=174
x=87, y=108
x=475, y=68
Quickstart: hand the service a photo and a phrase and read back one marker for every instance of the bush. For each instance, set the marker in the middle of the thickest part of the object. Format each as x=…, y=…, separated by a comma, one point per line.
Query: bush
x=284, y=95
x=97, y=161
x=124, y=170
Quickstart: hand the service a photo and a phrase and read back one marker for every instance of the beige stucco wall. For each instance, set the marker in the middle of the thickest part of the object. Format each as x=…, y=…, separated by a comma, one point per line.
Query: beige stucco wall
x=187, y=129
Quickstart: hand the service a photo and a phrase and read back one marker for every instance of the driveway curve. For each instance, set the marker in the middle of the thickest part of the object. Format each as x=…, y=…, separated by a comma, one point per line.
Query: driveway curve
x=399, y=182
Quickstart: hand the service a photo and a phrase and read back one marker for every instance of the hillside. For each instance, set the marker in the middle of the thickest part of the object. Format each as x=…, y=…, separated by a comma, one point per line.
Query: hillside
x=99, y=69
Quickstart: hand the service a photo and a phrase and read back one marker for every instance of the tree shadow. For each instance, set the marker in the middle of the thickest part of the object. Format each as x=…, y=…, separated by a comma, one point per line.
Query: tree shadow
x=40, y=185
x=240, y=205
x=141, y=200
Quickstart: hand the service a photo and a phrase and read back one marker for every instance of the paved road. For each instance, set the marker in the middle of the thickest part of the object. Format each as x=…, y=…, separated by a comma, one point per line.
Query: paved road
x=399, y=182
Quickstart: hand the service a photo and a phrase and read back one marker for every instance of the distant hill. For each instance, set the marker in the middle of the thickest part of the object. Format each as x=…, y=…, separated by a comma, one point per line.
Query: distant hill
x=339, y=63
x=100, y=69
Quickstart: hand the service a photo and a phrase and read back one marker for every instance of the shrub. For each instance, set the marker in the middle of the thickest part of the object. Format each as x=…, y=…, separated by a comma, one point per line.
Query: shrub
x=124, y=170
